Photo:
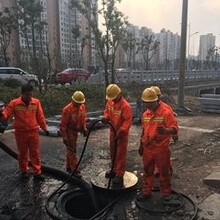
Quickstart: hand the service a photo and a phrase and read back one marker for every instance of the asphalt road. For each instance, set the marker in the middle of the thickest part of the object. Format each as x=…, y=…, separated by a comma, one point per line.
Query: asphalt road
x=26, y=200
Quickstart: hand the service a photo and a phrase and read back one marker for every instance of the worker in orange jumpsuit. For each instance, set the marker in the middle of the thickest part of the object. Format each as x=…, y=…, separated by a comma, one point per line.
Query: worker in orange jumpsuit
x=174, y=137
x=73, y=120
x=158, y=124
x=118, y=112
x=28, y=116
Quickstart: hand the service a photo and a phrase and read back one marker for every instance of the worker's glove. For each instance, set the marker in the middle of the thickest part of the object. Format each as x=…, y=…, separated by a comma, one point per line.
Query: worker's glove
x=105, y=120
x=47, y=133
x=85, y=132
x=141, y=149
x=175, y=138
x=66, y=142
x=162, y=129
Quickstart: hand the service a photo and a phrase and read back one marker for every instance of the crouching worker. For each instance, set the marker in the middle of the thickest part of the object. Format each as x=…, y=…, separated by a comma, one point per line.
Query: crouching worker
x=118, y=112
x=73, y=120
x=158, y=125
x=28, y=116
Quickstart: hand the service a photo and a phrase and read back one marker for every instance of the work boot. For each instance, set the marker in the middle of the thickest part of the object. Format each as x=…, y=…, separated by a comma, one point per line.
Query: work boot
x=77, y=174
x=109, y=174
x=118, y=180
x=38, y=177
x=68, y=170
x=166, y=199
x=143, y=197
x=24, y=175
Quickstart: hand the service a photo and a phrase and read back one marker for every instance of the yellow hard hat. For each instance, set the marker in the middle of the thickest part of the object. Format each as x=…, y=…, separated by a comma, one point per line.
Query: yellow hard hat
x=112, y=91
x=156, y=89
x=149, y=95
x=78, y=97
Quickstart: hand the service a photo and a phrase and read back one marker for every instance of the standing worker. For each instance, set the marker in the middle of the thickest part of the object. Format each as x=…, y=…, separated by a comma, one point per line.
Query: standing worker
x=158, y=124
x=28, y=116
x=175, y=136
x=118, y=112
x=158, y=92
x=73, y=120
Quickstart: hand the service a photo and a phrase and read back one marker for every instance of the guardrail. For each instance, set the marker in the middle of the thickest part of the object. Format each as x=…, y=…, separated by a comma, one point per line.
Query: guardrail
x=155, y=76
x=210, y=103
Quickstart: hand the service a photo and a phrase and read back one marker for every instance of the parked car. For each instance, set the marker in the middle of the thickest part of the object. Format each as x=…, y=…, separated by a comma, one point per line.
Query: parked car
x=18, y=74
x=72, y=75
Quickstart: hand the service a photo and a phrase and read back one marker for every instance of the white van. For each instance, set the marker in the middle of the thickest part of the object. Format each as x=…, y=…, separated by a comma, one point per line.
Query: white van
x=18, y=74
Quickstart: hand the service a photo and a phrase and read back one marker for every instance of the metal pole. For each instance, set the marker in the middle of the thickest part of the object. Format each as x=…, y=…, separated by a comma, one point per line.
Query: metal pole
x=187, y=60
x=182, y=65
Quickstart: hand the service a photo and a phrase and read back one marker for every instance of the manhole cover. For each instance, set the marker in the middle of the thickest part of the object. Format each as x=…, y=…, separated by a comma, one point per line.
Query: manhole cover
x=129, y=181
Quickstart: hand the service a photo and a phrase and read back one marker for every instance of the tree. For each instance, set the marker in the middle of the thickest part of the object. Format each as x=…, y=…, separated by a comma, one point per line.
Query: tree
x=31, y=24
x=82, y=38
x=107, y=41
x=147, y=47
x=6, y=28
x=212, y=57
x=129, y=45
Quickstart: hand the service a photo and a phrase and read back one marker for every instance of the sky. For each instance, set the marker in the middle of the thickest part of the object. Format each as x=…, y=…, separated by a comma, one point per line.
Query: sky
x=203, y=16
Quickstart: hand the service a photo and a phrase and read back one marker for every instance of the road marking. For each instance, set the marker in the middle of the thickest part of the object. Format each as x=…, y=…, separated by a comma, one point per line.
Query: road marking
x=197, y=129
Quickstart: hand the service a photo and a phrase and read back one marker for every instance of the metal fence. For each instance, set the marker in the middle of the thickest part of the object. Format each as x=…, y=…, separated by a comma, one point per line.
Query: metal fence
x=155, y=76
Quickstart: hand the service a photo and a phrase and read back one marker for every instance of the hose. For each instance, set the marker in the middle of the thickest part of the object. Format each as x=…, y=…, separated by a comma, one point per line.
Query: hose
x=69, y=178
x=182, y=196
x=99, y=214
x=194, y=205
x=81, y=183
x=87, y=138
x=50, y=170
x=72, y=174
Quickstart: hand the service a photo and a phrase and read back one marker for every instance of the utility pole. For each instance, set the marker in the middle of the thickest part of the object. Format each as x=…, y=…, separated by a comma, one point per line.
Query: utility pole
x=182, y=65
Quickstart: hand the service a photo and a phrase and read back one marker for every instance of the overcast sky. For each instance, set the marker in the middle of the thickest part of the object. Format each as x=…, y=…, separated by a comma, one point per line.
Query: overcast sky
x=203, y=15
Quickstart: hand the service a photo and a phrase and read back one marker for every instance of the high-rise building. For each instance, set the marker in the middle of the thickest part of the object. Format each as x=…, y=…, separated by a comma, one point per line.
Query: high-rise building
x=169, y=48
x=205, y=44
x=165, y=56
x=60, y=40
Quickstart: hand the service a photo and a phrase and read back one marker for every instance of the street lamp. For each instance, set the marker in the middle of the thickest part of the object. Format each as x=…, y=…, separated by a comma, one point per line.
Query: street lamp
x=190, y=35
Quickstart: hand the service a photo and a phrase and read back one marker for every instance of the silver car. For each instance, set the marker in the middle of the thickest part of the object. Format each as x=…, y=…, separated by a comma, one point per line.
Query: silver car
x=18, y=74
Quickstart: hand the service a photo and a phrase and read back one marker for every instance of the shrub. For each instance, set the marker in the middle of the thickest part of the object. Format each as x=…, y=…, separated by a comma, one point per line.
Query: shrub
x=12, y=83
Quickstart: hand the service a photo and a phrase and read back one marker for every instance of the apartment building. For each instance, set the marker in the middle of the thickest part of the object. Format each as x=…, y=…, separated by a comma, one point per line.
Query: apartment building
x=163, y=57
x=205, y=44
x=57, y=42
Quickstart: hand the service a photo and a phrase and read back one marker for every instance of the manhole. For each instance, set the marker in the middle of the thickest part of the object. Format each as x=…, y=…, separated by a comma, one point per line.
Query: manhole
x=155, y=203
x=129, y=182
x=75, y=204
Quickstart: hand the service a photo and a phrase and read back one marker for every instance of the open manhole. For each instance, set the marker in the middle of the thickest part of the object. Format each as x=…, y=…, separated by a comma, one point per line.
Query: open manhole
x=75, y=204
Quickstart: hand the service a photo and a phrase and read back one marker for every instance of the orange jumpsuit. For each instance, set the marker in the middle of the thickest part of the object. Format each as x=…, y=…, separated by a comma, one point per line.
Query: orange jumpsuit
x=120, y=115
x=174, y=137
x=156, y=148
x=26, y=124
x=73, y=120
